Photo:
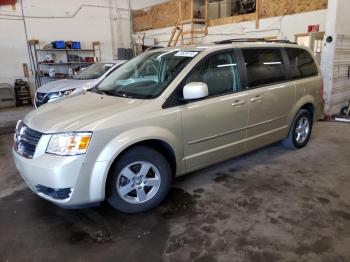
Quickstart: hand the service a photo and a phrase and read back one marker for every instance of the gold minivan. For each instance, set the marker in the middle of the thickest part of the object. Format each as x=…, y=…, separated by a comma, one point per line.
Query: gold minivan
x=166, y=113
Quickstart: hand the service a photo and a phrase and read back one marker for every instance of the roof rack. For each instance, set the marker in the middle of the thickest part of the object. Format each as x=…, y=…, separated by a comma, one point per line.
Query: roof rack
x=229, y=41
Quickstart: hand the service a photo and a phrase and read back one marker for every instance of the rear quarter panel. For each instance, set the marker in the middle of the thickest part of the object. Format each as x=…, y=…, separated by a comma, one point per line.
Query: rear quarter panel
x=308, y=91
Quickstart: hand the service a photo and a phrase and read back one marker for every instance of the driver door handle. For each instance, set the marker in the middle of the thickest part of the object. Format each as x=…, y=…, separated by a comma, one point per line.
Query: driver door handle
x=238, y=103
x=256, y=99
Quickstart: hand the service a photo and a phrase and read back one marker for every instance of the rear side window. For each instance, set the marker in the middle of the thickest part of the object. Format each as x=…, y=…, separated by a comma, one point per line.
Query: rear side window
x=301, y=63
x=264, y=66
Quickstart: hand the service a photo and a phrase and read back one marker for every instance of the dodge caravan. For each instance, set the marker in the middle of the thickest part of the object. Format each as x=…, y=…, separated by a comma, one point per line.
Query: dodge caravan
x=166, y=113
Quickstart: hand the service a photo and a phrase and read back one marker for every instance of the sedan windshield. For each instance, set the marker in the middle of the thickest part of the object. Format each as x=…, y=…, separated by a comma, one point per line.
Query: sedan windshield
x=147, y=75
x=93, y=72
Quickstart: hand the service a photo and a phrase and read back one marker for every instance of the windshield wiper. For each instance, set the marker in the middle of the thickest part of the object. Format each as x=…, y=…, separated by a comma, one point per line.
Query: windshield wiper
x=120, y=94
x=96, y=90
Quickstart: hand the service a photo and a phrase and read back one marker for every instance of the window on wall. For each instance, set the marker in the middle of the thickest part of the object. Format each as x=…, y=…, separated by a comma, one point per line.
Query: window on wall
x=264, y=66
x=219, y=72
x=301, y=63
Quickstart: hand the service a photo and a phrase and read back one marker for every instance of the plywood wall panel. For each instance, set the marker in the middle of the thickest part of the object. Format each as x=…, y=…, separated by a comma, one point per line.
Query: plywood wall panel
x=232, y=19
x=160, y=16
x=167, y=14
x=271, y=8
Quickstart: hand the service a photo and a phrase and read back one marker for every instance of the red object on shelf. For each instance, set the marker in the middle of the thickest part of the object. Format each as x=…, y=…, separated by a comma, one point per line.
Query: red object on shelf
x=89, y=59
x=313, y=28
x=8, y=2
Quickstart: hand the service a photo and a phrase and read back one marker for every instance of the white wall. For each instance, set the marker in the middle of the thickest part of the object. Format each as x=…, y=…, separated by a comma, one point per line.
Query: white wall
x=284, y=27
x=13, y=50
x=342, y=17
x=81, y=20
x=335, y=60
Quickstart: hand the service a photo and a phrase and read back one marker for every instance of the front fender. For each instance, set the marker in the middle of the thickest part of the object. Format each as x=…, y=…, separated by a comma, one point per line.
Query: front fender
x=125, y=140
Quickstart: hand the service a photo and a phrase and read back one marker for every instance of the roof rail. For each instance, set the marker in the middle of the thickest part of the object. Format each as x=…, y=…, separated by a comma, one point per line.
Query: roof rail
x=229, y=41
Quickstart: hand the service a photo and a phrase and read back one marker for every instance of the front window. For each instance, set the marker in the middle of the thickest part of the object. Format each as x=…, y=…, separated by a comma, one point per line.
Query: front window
x=93, y=72
x=147, y=75
x=219, y=72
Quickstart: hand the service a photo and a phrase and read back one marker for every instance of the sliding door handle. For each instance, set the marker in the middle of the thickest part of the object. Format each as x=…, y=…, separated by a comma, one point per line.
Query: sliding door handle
x=238, y=103
x=256, y=99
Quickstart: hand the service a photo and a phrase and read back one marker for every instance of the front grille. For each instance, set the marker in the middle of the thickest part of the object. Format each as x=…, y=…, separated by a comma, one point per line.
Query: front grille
x=59, y=194
x=26, y=141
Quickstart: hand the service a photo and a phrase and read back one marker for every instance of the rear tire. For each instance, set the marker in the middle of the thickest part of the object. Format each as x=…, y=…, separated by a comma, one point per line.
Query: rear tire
x=300, y=131
x=139, y=181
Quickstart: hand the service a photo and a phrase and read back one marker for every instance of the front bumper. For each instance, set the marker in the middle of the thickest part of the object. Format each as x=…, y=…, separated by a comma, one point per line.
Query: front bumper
x=49, y=175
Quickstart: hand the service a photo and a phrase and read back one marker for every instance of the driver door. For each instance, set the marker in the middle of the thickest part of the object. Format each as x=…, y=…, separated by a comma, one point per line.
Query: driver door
x=214, y=128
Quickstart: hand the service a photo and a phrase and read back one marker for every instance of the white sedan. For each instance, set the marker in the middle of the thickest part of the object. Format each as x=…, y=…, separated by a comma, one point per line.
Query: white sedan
x=84, y=80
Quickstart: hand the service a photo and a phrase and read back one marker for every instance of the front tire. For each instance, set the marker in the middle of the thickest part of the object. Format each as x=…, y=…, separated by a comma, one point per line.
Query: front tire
x=300, y=132
x=139, y=181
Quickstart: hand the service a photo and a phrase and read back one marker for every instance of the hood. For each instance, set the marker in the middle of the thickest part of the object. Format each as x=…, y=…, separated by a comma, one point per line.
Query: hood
x=76, y=113
x=67, y=84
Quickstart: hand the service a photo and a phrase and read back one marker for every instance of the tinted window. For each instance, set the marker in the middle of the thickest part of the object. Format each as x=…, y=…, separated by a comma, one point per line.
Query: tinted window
x=219, y=72
x=301, y=63
x=264, y=66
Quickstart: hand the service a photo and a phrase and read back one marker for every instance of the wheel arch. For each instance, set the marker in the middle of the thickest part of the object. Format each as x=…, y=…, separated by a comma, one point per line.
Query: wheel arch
x=307, y=103
x=165, y=142
x=158, y=145
x=309, y=107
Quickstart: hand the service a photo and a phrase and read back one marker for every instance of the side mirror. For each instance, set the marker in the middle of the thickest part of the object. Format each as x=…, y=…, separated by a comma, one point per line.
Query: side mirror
x=195, y=90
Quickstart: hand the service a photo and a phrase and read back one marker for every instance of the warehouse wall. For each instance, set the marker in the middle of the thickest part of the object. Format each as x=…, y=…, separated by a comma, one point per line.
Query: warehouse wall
x=283, y=27
x=13, y=50
x=81, y=20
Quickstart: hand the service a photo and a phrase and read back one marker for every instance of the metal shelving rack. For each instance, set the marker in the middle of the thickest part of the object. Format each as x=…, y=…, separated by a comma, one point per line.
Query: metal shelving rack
x=40, y=64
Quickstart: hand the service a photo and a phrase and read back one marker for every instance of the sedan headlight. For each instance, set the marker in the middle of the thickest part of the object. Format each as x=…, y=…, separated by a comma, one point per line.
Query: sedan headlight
x=69, y=144
x=67, y=92
x=57, y=95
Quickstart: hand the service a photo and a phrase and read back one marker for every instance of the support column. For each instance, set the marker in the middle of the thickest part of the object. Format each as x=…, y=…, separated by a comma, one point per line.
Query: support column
x=335, y=61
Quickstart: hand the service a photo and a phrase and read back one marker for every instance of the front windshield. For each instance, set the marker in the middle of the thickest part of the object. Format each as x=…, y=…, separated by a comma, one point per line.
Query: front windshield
x=147, y=75
x=93, y=72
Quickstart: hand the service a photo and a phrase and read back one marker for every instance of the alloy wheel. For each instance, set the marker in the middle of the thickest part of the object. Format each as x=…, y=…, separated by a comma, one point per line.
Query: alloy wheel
x=138, y=182
x=302, y=130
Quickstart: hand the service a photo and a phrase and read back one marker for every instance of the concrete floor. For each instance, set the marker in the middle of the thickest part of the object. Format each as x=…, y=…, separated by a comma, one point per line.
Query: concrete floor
x=10, y=116
x=270, y=205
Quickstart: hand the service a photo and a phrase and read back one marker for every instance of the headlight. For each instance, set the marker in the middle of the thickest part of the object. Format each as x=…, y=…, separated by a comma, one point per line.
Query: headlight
x=67, y=92
x=56, y=95
x=69, y=144
x=18, y=130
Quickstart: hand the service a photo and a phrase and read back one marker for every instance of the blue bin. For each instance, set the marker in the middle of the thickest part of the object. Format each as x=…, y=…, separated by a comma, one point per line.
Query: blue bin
x=59, y=44
x=75, y=45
